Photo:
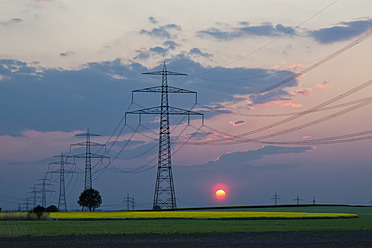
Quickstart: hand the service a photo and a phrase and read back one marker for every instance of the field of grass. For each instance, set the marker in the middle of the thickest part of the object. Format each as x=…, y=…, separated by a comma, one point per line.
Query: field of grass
x=133, y=226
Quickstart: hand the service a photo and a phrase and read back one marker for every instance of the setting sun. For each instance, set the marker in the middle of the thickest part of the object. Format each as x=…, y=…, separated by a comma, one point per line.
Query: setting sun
x=220, y=194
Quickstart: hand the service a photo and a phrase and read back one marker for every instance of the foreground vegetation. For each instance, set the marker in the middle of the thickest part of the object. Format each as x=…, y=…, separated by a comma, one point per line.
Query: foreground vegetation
x=135, y=226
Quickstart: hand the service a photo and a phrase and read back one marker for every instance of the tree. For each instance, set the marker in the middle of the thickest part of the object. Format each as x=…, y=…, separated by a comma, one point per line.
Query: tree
x=52, y=208
x=90, y=198
x=39, y=211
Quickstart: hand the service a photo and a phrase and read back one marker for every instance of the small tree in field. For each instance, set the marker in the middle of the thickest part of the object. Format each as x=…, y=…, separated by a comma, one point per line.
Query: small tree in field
x=90, y=198
x=39, y=211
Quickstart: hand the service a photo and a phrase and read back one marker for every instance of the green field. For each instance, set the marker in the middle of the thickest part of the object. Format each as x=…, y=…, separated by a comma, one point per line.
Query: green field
x=91, y=227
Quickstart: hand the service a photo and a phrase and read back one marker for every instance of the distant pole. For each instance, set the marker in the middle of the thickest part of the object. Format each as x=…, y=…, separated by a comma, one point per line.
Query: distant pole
x=298, y=199
x=129, y=201
x=44, y=190
x=62, y=204
x=88, y=155
x=313, y=200
x=275, y=198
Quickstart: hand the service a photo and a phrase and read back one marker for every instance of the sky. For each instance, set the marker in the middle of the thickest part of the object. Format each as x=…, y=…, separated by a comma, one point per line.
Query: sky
x=284, y=87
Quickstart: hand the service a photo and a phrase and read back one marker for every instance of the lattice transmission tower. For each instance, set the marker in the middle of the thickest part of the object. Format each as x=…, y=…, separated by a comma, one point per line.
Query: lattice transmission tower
x=88, y=155
x=164, y=196
x=62, y=203
x=44, y=190
x=275, y=198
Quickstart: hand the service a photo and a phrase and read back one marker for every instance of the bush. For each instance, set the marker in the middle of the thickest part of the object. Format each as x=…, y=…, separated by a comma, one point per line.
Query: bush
x=39, y=211
x=52, y=208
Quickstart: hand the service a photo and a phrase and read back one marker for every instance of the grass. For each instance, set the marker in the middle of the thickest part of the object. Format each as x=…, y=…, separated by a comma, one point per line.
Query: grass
x=130, y=226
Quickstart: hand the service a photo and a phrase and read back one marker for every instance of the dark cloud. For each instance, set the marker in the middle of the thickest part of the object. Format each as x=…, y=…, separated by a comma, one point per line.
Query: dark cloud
x=153, y=20
x=162, y=31
x=197, y=51
x=12, y=21
x=49, y=99
x=159, y=50
x=142, y=55
x=65, y=54
x=237, y=123
x=198, y=135
x=342, y=31
x=240, y=158
x=170, y=44
x=244, y=30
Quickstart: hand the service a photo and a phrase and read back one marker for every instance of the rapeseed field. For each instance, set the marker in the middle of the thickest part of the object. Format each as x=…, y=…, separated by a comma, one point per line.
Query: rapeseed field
x=194, y=215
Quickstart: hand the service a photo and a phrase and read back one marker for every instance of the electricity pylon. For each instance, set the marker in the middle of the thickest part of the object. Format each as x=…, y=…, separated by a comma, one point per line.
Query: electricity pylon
x=297, y=199
x=129, y=201
x=88, y=155
x=164, y=196
x=62, y=204
x=275, y=198
x=43, y=190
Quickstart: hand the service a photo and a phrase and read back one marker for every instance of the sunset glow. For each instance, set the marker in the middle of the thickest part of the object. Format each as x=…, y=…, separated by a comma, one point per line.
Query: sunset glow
x=220, y=194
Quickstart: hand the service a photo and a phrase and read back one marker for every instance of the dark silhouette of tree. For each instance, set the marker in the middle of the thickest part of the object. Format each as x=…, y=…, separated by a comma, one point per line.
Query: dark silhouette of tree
x=90, y=198
x=52, y=208
x=39, y=211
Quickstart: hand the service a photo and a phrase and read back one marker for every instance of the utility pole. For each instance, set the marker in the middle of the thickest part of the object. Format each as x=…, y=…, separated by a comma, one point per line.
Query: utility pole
x=275, y=198
x=129, y=201
x=62, y=204
x=27, y=203
x=164, y=196
x=34, y=195
x=297, y=199
x=43, y=191
x=88, y=155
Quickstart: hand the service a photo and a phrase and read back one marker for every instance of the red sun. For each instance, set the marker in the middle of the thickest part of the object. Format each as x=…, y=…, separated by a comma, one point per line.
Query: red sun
x=220, y=194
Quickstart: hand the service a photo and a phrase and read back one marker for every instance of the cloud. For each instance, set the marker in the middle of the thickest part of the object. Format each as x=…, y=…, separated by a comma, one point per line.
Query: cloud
x=50, y=99
x=144, y=54
x=243, y=158
x=198, y=136
x=65, y=54
x=304, y=92
x=159, y=50
x=153, y=20
x=237, y=123
x=323, y=85
x=197, y=51
x=12, y=21
x=244, y=30
x=342, y=31
x=170, y=44
x=162, y=31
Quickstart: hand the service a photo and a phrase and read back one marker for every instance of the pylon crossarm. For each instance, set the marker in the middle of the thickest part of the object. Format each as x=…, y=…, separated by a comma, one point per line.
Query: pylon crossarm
x=164, y=72
x=93, y=155
x=158, y=110
x=85, y=144
x=170, y=89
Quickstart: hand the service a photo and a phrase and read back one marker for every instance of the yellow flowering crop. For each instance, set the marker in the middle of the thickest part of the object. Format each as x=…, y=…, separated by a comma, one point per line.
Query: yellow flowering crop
x=192, y=215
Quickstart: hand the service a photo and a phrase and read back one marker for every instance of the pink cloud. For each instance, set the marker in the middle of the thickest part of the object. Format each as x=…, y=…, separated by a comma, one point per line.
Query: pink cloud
x=237, y=123
x=291, y=104
x=286, y=103
x=34, y=145
x=304, y=92
x=323, y=85
x=306, y=137
x=284, y=67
